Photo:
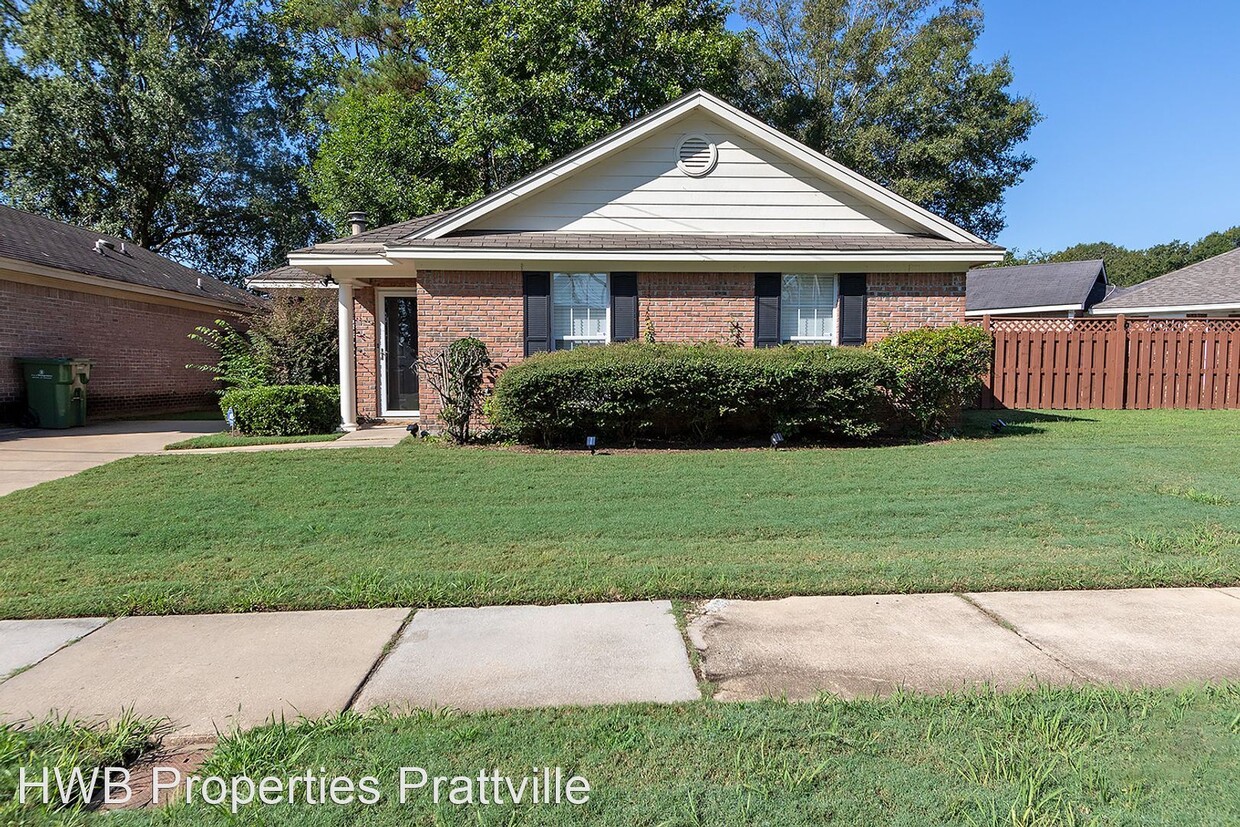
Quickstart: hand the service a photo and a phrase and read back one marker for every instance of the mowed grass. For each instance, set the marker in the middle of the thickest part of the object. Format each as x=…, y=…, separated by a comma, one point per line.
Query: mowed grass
x=1041, y=757
x=230, y=440
x=1083, y=500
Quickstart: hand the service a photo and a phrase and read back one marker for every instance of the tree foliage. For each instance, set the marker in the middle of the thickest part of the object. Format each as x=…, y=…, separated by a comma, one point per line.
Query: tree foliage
x=1126, y=267
x=890, y=88
x=471, y=95
x=168, y=122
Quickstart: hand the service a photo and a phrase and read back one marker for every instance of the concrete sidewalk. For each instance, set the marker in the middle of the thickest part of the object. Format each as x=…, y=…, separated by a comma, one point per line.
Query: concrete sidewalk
x=214, y=672
x=31, y=456
x=800, y=647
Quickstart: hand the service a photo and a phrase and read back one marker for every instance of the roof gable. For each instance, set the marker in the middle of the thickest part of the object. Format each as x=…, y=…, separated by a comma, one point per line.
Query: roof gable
x=764, y=181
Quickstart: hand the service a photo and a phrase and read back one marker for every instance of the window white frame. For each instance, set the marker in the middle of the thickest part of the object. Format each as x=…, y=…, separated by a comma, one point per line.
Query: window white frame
x=786, y=337
x=381, y=343
x=606, y=318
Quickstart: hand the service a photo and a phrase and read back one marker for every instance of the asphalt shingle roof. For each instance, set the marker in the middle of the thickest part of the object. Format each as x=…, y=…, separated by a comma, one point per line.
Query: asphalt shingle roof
x=32, y=238
x=500, y=240
x=1032, y=285
x=288, y=274
x=1213, y=281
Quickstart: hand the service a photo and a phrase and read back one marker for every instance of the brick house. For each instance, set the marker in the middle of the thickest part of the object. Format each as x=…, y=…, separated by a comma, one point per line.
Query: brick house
x=697, y=222
x=70, y=291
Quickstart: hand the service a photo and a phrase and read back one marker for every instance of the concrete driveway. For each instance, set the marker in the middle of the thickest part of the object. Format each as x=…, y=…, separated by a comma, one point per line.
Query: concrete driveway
x=31, y=456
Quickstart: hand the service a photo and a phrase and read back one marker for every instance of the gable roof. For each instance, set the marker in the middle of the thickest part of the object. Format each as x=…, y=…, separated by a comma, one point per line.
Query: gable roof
x=1206, y=285
x=32, y=239
x=745, y=124
x=1035, y=288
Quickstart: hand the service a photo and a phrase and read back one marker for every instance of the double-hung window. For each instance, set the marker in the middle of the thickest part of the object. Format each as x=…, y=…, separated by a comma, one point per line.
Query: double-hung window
x=807, y=308
x=579, y=309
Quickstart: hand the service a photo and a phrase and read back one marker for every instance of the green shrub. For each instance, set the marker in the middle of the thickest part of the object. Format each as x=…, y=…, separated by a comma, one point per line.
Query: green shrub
x=623, y=392
x=283, y=410
x=936, y=372
x=456, y=374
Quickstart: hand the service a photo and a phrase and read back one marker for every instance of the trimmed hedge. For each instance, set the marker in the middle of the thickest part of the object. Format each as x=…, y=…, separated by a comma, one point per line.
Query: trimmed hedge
x=284, y=410
x=936, y=372
x=692, y=392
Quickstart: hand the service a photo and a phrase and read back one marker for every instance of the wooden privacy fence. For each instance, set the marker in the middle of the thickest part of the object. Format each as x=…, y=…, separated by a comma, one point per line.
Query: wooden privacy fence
x=1067, y=364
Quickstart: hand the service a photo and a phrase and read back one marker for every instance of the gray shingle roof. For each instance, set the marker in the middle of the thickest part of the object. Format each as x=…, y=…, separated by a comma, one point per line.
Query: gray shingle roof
x=1034, y=285
x=499, y=240
x=38, y=240
x=372, y=241
x=1213, y=281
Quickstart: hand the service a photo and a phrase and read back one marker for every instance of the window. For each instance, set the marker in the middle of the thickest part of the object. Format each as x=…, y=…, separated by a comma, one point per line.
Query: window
x=807, y=308
x=579, y=304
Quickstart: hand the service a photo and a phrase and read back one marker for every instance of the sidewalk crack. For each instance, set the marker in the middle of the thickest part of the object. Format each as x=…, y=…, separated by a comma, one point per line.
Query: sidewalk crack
x=383, y=655
x=1004, y=623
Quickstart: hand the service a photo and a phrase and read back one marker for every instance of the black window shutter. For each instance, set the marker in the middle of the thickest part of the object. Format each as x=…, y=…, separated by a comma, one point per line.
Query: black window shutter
x=537, y=288
x=852, y=308
x=766, y=288
x=623, y=307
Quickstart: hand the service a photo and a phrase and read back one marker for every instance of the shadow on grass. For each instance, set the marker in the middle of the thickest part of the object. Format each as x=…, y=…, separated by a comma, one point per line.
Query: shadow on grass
x=1005, y=423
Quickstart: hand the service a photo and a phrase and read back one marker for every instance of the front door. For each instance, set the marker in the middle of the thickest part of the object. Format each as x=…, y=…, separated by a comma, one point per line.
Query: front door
x=399, y=336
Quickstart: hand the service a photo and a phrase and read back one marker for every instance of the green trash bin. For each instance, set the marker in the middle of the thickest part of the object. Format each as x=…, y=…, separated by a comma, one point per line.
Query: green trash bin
x=55, y=391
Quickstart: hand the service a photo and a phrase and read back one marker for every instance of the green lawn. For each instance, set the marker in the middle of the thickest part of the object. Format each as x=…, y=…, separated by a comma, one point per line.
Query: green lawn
x=1044, y=757
x=1089, y=499
x=229, y=440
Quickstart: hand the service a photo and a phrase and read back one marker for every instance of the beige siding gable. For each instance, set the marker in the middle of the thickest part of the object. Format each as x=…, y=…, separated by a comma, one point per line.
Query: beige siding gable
x=751, y=190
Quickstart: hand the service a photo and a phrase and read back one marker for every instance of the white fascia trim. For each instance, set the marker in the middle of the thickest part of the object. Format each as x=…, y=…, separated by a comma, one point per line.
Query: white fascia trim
x=263, y=284
x=1182, y=308
x=747, y=124
x=312, y=260
x=1046, y=308
x=448, y=254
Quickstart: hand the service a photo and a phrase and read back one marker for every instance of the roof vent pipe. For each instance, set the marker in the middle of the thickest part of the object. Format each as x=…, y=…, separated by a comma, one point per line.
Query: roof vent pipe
x=357, y=222
x=200, y=284
x=103, y=245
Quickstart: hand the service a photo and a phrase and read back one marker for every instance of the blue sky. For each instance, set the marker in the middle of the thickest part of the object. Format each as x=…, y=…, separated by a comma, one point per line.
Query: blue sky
x=1141, y=138
x=1140, y=141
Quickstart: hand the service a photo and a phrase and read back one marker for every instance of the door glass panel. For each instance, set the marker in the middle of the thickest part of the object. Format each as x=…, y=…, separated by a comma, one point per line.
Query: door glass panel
x=401, y=317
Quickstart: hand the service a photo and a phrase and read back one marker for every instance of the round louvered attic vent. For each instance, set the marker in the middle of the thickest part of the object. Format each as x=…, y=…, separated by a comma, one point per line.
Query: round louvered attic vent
x=695, y=155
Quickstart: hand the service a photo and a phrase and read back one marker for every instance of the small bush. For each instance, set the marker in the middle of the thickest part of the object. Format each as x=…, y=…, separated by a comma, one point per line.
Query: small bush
x=284, y=410
x=457, y=374
x=936, y=372
x=696, y=392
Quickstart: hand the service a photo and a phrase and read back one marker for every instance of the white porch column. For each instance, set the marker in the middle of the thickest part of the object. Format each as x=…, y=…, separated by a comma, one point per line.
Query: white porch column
x=348, y=361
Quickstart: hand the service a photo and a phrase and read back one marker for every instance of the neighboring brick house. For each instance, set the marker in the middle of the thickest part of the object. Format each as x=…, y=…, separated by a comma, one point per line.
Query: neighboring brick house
x=695, y=223
x=69, y=291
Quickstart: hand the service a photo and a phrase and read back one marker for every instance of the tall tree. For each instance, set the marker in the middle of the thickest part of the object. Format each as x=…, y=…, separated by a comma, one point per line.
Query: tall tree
x=891, y=89
x=490, y=91
x=169, y=122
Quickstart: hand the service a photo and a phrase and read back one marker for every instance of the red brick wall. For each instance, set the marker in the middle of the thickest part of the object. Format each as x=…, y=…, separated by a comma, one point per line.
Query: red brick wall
x=139, y=349
x=695, y=307
x=905, y=301
x=681, y=307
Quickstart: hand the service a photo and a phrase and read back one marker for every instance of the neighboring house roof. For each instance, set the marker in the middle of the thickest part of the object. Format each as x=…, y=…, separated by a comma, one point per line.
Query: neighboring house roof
x=28, y=239
x=1210, y=285
x=287, y=278
x=696, y=181
x=1035, y=288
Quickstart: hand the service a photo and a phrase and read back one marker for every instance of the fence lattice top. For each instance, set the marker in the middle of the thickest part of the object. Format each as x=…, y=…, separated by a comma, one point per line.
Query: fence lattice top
x=1048, y=324
x=1185, y=325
